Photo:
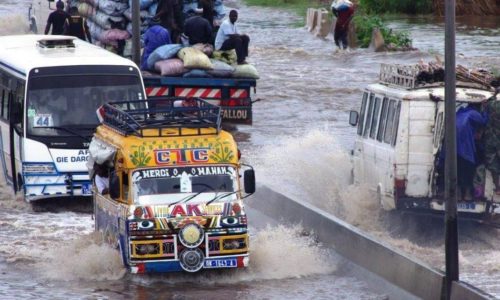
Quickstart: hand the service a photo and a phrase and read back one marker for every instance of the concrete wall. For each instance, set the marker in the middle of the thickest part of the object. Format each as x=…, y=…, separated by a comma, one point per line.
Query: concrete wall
x=391, y=264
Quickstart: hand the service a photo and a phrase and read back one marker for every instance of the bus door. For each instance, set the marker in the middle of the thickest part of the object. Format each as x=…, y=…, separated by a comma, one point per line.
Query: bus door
x=11, y=131
x=437, y=174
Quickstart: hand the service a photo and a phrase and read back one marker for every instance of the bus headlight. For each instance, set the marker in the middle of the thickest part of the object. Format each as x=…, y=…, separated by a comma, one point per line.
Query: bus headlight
x=191, y=235
x=39, y=168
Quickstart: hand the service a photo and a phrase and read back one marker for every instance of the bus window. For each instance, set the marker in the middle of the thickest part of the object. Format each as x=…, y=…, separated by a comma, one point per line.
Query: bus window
x=362, y=113
x=5, y=103
x=396, y=125
x=390, y=122
x=369, y=116
x=376, y=114
x=437, y=130
x=19, y=100
x=51, y=97
x=383, y=119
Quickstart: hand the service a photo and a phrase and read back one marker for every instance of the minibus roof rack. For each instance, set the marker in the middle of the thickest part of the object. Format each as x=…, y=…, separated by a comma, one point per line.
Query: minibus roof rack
x=399, y=75
x=56, y=42
x=432, y=74
x=133, y=117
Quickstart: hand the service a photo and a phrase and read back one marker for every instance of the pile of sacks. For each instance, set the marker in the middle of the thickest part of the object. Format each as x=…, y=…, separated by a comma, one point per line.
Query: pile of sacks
x=107, y=22
x=199, y=60
x=110, y=21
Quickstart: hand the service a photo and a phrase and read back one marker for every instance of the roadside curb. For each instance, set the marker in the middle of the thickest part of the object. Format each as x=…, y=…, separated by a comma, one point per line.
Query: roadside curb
x=391, y=264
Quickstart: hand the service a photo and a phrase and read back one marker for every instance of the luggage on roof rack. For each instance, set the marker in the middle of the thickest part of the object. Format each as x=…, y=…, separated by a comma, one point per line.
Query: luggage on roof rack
x=134, y=117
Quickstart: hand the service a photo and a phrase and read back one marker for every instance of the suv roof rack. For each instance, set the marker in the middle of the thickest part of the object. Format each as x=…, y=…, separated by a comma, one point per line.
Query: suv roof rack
x=399, y=75
x=133, y=117
x=56, y=42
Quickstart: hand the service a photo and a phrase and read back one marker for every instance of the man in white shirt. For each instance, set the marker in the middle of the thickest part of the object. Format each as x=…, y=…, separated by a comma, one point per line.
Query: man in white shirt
x=229, y=37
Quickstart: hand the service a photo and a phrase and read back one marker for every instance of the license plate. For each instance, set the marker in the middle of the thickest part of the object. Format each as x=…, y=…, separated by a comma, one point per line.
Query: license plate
x=221, y=263
x=466, y=205
x=86, y=189
x=237, y=114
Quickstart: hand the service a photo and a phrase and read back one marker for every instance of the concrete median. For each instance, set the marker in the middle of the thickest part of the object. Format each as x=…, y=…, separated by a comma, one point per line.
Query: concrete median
x=391, y=264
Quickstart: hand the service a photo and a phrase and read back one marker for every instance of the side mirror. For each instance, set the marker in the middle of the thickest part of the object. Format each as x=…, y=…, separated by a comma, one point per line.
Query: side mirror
x=353, y=118
x=249, y=181
x=16, y=113
x=114, y=186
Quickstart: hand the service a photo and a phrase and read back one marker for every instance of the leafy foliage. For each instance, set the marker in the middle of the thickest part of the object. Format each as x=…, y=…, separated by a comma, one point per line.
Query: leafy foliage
x=397, y=6
x=364, y=28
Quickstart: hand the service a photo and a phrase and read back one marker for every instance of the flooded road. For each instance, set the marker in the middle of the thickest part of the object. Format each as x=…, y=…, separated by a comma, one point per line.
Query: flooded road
x=298, y=145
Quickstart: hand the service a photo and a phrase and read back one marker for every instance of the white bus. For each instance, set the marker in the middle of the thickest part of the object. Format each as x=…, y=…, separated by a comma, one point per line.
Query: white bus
x=50, y=88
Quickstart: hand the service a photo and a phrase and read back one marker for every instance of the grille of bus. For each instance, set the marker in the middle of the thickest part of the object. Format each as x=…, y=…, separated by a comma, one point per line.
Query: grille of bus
x=153, y=248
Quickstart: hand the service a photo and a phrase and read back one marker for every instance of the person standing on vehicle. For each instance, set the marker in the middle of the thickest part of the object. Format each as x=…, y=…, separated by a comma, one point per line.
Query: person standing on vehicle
x=207, y=7
x=77, y=26
x=492, y=140
x=169, y=15
x=198, y=30
x=154, y=37
x=343, y=11
x=468, y=121
x=229, y=37
x=57, y=19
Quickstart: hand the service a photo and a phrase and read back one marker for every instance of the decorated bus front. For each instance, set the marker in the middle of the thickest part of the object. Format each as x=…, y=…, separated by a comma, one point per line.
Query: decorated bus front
x=175, y=197
x=60, y=120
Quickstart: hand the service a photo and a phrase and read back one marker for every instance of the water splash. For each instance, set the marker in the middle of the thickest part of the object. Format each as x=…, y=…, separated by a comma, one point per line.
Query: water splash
x=13, y=24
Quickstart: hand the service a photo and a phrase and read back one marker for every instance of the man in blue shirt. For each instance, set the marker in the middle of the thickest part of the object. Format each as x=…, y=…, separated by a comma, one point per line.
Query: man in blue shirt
x=229, y=37
x=154, y=37
x=468, y=121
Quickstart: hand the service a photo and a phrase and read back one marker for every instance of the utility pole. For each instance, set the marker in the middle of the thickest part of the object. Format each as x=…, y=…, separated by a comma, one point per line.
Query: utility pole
x=136, y=32
x=450, y=193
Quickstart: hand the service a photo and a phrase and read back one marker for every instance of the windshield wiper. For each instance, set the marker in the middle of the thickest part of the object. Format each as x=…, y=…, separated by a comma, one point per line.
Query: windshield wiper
x=69, y=131
x=221, y=197
x=186, y=199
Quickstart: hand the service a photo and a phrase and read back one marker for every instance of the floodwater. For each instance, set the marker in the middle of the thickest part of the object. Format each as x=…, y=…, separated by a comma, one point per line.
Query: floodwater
x=298, y=146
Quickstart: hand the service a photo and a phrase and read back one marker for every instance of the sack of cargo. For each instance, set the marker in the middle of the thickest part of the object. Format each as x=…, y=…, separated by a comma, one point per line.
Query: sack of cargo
x=170, y=67
x=101, y=19
x=221, y=69
x=205, y=48
x=112, y=36
x=143, y=4
x=245, y=71
x=229, y=56
x=162, y=53
x=341, y=5
x=91, y=2
x=197, y=73
x=194, y=58
x=86, y=10
x=112, y=8
x=95, y=30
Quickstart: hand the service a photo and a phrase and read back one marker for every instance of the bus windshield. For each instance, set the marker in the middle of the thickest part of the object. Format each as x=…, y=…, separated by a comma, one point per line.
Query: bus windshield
x=189, y=182
x=55, y=103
